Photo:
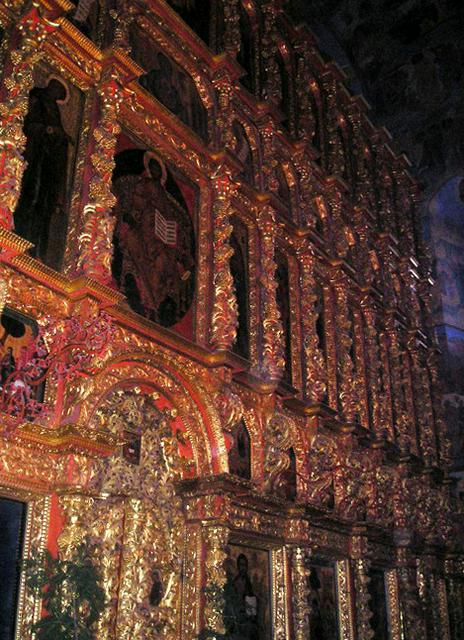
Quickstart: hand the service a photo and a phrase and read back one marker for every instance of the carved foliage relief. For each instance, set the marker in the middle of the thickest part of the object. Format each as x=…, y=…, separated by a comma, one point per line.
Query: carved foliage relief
x=134, y=516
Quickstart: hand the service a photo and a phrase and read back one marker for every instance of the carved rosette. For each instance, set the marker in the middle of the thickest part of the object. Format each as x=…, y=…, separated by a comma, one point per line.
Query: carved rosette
x=216, y=539
x=301, y=600
x=363, y=610
x=272, y=364
x=18, y=83
x=96, y=238
x=316, y=372
x=225, y=312
x=347, y=384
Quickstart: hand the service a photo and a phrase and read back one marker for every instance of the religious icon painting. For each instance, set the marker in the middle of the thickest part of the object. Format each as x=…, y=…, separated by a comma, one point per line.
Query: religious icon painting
x=168, y=82
x=12, y=525
x=23, y=364
x=247, y=611
x=378, y=604
x=51, y=127
x=322, y=587
x=154, y=239
x=240, y=452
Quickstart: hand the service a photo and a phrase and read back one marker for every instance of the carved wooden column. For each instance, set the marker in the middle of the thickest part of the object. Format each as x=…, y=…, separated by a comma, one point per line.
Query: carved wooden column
x=347, y=387
x=224, y=87
x=315, y=365
x=443, y=608
x=34, y=30
x=410, y=300
x=405, y=203
x=361, y=362
x=402, y=420
x=363, y=611
x=444, y=443
x=301, y=605
x=454, y=576
x=216, y=538
x=335, y=155
x=225, y=312
x=231, y=27
x=268, y=134
x=379, y=392
x=95, y=241
x=306, y=119
x=384, y=186
x=423, y=403
x=412, y=613
x=308, y=191
x=363, y=187
x=272, y=339
x=330, y=336
x=272, y=88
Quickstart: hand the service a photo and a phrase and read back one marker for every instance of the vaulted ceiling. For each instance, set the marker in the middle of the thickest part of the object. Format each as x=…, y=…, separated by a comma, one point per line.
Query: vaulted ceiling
x=407, y=58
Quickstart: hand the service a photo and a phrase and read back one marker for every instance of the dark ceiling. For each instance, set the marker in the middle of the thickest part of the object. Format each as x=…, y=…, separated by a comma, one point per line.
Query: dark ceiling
x=407, y=58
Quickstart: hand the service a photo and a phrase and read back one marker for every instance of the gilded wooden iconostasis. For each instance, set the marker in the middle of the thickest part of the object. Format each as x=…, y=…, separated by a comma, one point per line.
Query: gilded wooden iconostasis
x=215, y=358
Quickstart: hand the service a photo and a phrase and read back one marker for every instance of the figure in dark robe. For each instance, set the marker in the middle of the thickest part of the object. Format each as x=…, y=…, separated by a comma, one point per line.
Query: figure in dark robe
x=7, y=365
x=154, y=236
x=242, y=604
x=44, y=181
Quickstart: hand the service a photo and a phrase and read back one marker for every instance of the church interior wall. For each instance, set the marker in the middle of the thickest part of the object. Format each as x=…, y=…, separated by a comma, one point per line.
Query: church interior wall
x=308, y=471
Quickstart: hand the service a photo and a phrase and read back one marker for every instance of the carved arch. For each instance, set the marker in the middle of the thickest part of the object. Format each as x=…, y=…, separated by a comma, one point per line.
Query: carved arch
x=254, y=141
x=168, y=44
x=181, y=392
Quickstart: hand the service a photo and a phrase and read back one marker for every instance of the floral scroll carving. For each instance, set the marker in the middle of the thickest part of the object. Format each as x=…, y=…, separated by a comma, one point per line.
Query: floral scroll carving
x=96, y=238
x=225, y=312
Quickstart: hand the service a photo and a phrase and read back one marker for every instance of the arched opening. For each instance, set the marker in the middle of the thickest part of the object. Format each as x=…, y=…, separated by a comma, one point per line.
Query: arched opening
x=239, y=271
x=154, y=239
x=243, y=152
x=246, y=54
x=198, y=14
x=283, y=304
x=51, y=127
x=168, y=82
x=240, y=452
